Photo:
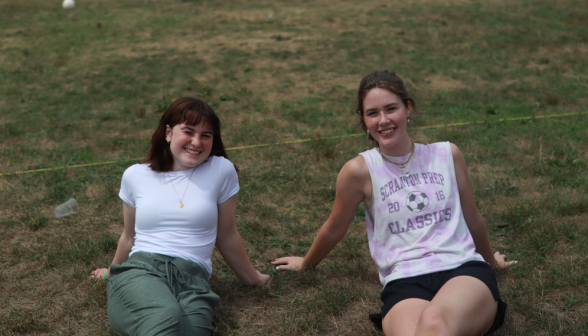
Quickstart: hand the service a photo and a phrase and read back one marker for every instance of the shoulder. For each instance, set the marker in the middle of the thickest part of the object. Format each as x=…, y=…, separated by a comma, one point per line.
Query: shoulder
x=223, y=169
x=436, y=146
x=458, y=160
x=225, y=165
x=356, y=166
x=440, y=149
x=455, y=152
x=355, y=170
x=140, y=172
x=134, y=177
x=136, y=168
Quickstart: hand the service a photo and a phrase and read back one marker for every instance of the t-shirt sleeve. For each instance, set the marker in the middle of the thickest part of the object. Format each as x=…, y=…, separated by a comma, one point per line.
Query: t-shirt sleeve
x=229, y=181
x=126, y=187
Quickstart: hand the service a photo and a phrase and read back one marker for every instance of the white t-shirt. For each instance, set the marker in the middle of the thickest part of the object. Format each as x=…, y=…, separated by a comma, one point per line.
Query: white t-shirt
x=161, y=226
x=416, y=225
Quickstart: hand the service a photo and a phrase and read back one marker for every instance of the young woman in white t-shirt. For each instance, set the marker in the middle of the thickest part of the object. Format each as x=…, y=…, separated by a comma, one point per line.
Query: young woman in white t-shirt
x=425, y=232
x=177, y=205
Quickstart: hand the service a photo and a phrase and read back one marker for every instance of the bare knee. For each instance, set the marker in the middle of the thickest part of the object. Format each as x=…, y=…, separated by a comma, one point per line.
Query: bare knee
x=432, y=322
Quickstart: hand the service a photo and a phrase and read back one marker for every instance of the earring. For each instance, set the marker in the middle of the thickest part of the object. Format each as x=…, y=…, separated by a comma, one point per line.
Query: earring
x=368, y=132
x=407, y=120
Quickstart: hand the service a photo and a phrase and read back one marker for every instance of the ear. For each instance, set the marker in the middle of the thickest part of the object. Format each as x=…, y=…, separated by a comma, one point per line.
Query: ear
x=168, y=133
x=408, y=109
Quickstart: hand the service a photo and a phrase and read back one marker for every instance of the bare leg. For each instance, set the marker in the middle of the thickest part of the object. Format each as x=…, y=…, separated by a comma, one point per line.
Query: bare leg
x=463, y=306
x=403, y=318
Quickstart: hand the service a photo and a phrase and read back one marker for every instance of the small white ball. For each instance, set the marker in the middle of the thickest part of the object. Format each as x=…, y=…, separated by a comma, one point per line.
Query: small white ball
x=68, y=4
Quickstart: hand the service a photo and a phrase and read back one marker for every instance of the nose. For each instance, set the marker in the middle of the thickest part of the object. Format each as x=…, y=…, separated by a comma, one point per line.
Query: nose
x=196, y=140
x=383, y=118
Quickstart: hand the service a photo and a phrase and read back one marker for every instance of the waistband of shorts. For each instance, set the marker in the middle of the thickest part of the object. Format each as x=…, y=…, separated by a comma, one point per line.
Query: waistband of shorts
x=182, y=264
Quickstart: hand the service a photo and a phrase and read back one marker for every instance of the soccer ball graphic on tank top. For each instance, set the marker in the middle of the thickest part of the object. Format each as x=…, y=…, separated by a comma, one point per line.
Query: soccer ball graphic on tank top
x=417, y=201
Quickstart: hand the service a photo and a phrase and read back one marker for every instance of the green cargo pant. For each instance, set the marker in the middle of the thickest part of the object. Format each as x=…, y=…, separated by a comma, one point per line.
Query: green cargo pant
x=154, y=294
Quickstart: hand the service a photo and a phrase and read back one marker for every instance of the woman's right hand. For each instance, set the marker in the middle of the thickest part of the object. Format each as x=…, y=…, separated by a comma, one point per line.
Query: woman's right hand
x=264, y=278
x=501, y=261
x=98, y=273
x=288, y=263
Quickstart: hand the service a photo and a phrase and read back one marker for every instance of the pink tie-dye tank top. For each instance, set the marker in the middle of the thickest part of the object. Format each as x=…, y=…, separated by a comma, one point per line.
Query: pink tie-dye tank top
x=416, y=225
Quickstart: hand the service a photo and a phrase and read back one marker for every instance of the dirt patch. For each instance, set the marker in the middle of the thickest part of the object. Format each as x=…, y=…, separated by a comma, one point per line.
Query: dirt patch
x=443, y=83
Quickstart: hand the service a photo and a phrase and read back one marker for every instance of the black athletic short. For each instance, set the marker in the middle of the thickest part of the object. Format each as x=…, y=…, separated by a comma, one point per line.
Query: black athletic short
x=426, y=286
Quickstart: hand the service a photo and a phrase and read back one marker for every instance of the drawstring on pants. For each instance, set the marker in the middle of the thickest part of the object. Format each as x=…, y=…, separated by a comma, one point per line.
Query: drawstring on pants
x=171, y=273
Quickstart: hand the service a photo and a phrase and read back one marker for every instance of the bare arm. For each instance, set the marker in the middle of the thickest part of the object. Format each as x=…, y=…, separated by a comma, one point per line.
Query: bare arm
x=125, y=242
x=353, y=184
x=230, y=246
x=472, y=216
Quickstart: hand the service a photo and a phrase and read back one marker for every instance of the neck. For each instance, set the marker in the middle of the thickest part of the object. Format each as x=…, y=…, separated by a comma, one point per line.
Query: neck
x=178, y=167
x=401, y=149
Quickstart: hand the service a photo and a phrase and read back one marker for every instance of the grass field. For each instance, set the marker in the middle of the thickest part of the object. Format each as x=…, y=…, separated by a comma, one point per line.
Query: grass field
x=89, y=85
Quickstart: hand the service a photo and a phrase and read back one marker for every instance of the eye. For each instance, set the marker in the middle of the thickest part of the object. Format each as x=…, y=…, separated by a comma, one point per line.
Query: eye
x=371, y=113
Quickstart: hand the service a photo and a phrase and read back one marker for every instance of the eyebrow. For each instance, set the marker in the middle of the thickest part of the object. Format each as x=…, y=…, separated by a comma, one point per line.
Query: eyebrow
x=385, y=106
x=193, y=130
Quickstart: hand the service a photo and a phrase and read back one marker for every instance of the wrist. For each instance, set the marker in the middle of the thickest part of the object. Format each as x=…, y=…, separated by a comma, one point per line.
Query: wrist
x=304, y=265
x=252, y=281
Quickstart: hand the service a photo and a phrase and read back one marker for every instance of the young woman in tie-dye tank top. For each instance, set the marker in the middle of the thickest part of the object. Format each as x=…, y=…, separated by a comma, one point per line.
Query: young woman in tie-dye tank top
x=426, y=235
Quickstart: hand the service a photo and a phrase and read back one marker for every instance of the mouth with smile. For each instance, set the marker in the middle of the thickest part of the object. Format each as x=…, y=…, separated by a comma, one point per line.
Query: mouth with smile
x=193, y=152
x=387, y=131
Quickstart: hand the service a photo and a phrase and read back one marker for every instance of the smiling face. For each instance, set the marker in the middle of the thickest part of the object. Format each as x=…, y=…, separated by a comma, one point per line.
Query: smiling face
x=190, y=144
x=385, y=117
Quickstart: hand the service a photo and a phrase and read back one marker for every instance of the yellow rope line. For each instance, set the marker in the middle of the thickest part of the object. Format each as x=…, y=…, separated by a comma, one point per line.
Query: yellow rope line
x=306, y=140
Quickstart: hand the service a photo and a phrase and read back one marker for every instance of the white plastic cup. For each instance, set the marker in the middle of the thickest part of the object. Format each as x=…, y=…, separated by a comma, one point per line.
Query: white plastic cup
x=67, y=208
x=68, y=4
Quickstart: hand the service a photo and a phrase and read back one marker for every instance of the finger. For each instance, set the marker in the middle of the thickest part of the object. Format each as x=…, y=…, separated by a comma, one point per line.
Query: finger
x=281, y=261
x=267, y=279
x=511, y=263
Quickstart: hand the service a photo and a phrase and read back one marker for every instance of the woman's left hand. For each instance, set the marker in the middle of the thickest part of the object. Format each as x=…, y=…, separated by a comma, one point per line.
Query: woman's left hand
x=99, y=273
x=501, y=261
x=288, y=263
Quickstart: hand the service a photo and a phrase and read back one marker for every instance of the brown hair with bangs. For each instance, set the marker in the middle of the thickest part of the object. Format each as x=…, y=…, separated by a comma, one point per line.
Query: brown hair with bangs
x=383, y=80
x=189, y=111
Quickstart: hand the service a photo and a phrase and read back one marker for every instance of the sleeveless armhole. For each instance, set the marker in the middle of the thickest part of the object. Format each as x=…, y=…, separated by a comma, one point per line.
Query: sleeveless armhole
x=451, y=163
x=369, y=211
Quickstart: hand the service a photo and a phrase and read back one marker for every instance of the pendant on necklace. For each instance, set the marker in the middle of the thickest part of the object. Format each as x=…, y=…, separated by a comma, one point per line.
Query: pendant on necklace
x=181, y=205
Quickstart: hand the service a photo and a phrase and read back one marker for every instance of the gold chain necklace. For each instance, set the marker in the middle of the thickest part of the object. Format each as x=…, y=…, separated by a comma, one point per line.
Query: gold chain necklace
x=181, y=205
x=401, y=165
